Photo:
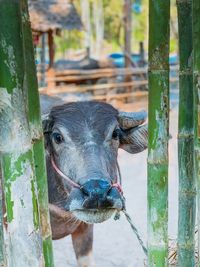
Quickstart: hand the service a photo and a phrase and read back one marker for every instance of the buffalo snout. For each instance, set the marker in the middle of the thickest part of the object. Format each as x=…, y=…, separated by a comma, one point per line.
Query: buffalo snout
x=95, y=201
x=97, y=194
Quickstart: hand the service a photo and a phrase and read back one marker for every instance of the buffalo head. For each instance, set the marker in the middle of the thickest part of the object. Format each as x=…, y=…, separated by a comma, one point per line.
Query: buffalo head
x=83, y=139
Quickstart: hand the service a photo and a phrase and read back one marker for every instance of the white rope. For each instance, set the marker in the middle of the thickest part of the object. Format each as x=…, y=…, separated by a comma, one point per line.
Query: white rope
x=117, y=217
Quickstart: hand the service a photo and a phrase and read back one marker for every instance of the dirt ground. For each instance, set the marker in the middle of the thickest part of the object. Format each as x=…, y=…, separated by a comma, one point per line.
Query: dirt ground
x=115, y=245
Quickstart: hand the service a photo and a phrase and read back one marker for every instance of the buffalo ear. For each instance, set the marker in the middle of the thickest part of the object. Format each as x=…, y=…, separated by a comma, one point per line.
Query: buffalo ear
x=134, y=135
x=129, y=120
x=134, y=140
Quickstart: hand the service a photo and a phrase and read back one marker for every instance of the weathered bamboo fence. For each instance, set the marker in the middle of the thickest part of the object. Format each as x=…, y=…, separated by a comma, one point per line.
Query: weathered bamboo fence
x=187, y=183
x=188, y=132
x=158, y=133
x=196, y=87
x=26, y=236
x=2, y=247
x=33, y=113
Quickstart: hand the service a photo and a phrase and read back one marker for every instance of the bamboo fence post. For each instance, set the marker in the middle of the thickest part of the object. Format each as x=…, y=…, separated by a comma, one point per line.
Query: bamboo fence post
x=187, y=184
x=2, y=246
x=196, y=87
x=159, y=18
x=33, y=111
x=21, y=225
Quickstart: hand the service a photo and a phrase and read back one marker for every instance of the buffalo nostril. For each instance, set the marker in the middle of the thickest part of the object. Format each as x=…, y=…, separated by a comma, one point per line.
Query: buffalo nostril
x=90, y=203
x=97, y=188
x=97, y=194
x=106, y=203
x=85, y=190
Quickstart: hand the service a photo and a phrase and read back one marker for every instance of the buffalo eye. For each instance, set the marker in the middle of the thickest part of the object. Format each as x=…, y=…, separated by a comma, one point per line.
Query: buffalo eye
x=116, y=134
x=58, y=138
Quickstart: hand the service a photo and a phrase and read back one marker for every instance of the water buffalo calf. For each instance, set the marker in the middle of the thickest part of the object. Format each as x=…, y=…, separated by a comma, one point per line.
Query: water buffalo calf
x=82, y=141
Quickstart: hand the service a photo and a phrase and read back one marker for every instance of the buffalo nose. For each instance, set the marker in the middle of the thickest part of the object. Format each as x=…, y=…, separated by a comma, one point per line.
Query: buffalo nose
x=96, y=188
x=97, y=194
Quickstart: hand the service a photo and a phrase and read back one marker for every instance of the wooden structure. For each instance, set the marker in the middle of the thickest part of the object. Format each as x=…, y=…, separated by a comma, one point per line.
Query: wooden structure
x=105, y=84
x=52, y=16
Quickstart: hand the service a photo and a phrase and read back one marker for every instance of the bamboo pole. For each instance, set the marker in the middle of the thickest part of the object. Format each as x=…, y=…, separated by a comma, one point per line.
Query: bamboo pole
x=196, y=87
x=187, y=185
x=2, y=246
x=159, y=11
x=33, y=108
x=21, y=225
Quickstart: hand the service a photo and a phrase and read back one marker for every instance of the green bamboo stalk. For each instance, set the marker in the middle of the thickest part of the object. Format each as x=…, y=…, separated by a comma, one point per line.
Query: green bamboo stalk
x=187, y=185
x=196, y=88
x=159, y=15
x=22, y=233
x=2, y=245
x=34, y=117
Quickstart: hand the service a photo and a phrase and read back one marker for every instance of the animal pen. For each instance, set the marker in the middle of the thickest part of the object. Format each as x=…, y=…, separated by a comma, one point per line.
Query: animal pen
x=25, y=234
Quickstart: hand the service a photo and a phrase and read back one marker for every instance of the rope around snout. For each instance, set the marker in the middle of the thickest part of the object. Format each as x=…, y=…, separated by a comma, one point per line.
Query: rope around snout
x=118, y=186
x=127, y=216
x=73, y=184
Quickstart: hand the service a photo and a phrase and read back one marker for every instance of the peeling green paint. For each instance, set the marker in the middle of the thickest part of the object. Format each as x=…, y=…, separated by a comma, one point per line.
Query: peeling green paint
x=22, y=202
x=35, y=205
x=33, y=108
x=14, y=166
x=9, y=203
x=15, y=146
x=2, y=244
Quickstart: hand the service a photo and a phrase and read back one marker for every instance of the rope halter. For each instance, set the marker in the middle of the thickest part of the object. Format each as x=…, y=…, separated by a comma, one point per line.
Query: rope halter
x=73, y=184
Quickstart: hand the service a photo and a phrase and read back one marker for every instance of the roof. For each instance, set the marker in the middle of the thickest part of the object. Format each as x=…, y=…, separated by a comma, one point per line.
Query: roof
x=48, y=15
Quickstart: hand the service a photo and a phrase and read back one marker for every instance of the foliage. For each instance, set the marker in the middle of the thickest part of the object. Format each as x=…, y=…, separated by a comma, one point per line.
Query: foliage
x=68, y=39
x=174, y=28
x=113, y=20
x=140, y=23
